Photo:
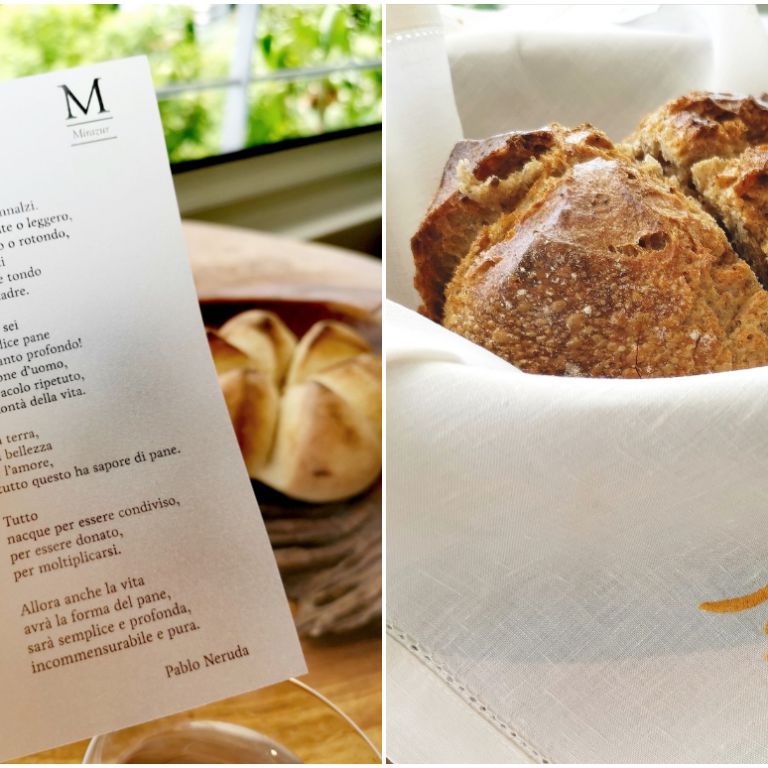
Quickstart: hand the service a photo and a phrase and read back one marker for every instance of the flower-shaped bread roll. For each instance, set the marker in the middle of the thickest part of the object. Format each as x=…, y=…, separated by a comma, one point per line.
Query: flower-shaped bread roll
x=307, y=413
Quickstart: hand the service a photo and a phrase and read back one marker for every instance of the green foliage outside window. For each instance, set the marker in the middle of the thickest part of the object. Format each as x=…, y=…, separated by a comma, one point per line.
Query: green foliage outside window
x=318, y=35
x=186, y=45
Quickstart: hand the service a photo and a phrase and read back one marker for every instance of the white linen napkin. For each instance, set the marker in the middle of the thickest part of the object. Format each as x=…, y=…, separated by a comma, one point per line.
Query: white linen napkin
x=550, y=540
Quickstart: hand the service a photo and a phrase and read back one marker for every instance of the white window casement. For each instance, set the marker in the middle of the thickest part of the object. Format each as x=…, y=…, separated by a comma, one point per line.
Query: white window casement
x=326, y=187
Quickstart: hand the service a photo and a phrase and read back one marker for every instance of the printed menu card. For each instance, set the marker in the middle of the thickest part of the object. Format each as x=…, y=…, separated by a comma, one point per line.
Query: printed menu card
x=136, y=577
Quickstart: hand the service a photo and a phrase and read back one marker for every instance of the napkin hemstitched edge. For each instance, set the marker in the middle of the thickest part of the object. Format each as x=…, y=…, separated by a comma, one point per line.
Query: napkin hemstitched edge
x=414, y=647
x=414, y=34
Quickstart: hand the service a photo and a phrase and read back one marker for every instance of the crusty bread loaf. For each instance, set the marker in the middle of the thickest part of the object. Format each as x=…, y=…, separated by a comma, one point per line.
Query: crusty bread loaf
x=716, y=145
x=588, y=259
x=736, y=191
x=481, y=181
x=307, y=413
x=698, y=126
x=610, y=273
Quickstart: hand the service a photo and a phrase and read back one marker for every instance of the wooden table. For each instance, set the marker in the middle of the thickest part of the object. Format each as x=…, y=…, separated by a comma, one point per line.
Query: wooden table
x=348, y=672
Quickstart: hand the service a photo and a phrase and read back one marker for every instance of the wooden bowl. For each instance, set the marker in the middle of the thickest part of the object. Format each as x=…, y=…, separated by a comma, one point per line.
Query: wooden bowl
x=329, y=554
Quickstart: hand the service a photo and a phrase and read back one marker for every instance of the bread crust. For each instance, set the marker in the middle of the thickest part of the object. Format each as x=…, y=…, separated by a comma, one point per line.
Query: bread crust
x=736, y=191
x=473, y=193
x=610, y=272
x=698, y=126
x=567, y=255
x=715, y=145
x=307, y=413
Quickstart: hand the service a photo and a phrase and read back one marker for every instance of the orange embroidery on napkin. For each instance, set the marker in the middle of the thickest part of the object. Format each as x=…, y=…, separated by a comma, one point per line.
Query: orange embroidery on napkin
x=734, y=604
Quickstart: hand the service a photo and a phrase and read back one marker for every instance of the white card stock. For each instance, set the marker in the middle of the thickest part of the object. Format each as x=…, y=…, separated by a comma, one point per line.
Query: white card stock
x=136, y=577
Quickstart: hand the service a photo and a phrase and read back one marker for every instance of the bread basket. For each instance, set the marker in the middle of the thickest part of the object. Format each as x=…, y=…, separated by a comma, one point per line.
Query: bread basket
x=556, y=544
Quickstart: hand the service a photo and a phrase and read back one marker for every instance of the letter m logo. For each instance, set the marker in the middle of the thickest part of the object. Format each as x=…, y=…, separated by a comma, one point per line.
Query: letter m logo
x=73, y=101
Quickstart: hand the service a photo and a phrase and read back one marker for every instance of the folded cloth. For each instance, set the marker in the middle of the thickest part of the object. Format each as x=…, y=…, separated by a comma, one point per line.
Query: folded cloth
x=607, y=66
x=558, y=547
x=412, y=690
x=551, y=540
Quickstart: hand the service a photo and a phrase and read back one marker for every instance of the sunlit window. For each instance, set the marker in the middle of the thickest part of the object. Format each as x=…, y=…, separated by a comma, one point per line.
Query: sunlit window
x=228, y=77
